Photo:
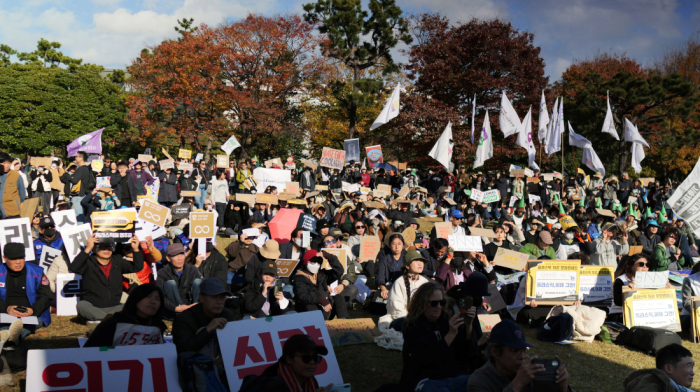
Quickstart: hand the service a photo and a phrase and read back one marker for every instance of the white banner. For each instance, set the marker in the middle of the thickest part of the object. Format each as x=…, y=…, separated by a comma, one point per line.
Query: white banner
x=68, y=291
x=124, y=368
x=47, y=255
x=274, y=177
x=64, y=219
x=250, y=346
x=465, y=243
x=491, y=196
x=477, y=195
x=74, y=238
x=685, y=201
x=18, y=231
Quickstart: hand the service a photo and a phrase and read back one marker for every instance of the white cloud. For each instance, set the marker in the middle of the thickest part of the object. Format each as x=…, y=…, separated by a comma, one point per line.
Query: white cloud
x=126, y=23
x=106, y=2
x=461, y=10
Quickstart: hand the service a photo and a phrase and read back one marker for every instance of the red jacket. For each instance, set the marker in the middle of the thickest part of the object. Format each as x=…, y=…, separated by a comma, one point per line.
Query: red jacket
x=365, y=180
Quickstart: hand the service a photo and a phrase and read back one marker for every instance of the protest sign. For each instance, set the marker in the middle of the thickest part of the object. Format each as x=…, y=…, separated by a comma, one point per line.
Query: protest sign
x=222, y=161
x=320, y=187
x=365, y=191
x=651, y=308
x=68, y=291
x=548, y=176
x=381, y=193
x=190, y=193
x=491, y=196
x=166, y=154
x=488, y=233
x=340, y=254
x=595, y=284
x=409, y=236
x=18, y=230
x=333, y=159
x=369, y=248
x=529, y=172
x=450, y=201
x=284, y=196
x=246, y=198
x=75, y=238
x=374, y=155
x=403, y=192
x=384, y=187
x=285, y=267
x=488, y=321
x=513, y=199
x=202, y=225
x=47, y=255
x=97, y=165
x=533, y=180
x=650, y=279
x=511, y=259
x=310, y=164
x=29, y=207
x=185, y=154
x=102, y=182
x=494, y=303
x=151, y=368
x=533, y=198
x=635, y=250
x=114, y=225
x=607, y=213
x=266, y=198
x=145, y=158
x=694, y=320
x=185, y=167
x=64, y=219
x=352, y=150
x=292, y=187
x=353, y=188
x=153, y=212
x=517, y=173
x=553, y=282
x=465, y=243
x=352, y=331
x=251, y=346
x=167, y=164
x=271, y=177
x=230, y=145
x=476, y=195
x=307, y=222
x=345, y=186
x=443, y=229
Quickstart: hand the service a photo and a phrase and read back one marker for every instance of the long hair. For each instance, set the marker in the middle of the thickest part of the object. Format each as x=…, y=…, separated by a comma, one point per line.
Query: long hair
x=140, y=292
x=628, y=269
x=417, y=304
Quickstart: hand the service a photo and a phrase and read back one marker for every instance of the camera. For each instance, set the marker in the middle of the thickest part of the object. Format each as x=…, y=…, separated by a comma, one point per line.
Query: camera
x=546, y=381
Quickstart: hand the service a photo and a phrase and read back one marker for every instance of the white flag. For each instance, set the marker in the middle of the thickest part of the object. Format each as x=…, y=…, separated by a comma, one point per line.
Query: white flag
x=554, y=142
x=590, y=159
x=577, y=140
x=632, y=134
x=544, y=119
x=609, y=123
x=560, y=117
x=442, y=150
x=550, y=126
x=685, y=201
x=230, y=145
x=525, y=140
x=391, y=109
x=637, y=157
x=485, y=149
x=473, y=115
x=364, y=161
x=508, y=118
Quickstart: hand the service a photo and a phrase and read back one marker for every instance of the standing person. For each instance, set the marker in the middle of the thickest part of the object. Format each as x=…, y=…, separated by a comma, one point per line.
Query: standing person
x=12, y=188
x=231, y=177
x=56, y=174
x=41, y=178
x=242, y=174
x=306, y=180
x=123, y=185
x=167, y=194
x=623, y=192
x=140, y=179
x=82, y=182
x=203, y=176
x=220, y=196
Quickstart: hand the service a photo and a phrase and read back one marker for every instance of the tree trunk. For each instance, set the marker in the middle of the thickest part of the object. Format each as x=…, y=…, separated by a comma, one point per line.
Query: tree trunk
x=182, y=142
x=210, y=139
x=623, y=157
x=352, y=110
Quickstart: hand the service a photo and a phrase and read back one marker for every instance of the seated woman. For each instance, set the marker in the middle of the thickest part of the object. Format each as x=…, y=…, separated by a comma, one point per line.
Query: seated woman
x=492, y=247
x=311, y=286
x=359, y=232
x=139, y=323
x=667, y=255
x=634, y=264
x=400, y=294
x=389, y=266
x=432, y=343
x=260, y=300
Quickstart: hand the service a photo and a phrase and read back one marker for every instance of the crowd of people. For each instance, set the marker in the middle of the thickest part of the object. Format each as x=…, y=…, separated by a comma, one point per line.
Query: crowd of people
x=416, y=280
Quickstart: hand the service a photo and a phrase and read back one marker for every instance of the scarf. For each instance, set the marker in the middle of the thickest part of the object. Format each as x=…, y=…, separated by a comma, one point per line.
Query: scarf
x=312, y=278
x=286, y=374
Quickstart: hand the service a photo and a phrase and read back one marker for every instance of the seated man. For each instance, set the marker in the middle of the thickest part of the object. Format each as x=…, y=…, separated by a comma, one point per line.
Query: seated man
x=102, y=277
x=509, y=368
x=674, y=372
x=179, y=281
x=24, y=291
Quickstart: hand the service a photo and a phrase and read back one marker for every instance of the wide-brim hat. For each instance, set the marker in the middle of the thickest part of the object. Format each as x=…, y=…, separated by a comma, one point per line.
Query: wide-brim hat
x=270, y=250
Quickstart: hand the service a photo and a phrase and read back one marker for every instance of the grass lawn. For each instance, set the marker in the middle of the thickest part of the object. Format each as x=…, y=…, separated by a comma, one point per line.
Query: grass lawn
x=593, y=367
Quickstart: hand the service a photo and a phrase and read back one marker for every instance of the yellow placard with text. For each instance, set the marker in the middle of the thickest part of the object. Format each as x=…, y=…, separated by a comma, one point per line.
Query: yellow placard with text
x=651, y=308
x=186, y=154
x=553, y=282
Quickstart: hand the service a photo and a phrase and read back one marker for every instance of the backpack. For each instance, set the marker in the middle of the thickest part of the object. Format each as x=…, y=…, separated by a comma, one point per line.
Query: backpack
x=613, y=333
x=556, y=328
x=650, y=340
x=198, y=373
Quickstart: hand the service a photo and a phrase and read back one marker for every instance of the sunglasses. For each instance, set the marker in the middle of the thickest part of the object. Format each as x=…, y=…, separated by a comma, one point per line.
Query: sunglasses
x=359, y=227
x=329, y=242
x=306, y=358
x=673, y=236
x=441, y=302
x=641, y=264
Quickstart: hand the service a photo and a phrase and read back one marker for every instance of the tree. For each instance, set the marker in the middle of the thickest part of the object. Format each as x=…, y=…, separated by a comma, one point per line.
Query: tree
x=345, y=25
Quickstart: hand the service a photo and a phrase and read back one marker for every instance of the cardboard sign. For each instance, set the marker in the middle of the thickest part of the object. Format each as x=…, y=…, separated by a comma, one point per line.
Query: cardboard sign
x=150, y=368
x=650, y=279
x=165, y=153
x=491, y=196
x=185, y=154
x=369, y=248
x=68, y=291
x=76, y=238
x=553, y=282
x=167, y=164
x=352, y=331
x=145, y=158
x=48, y=254
x=403, y=192
x=651, y=308
x=321, y=187
x=340, y=254
x=409, y=236
x=384, y=187
x=443, y=230
x=488, y=321
x=285, y=267
x=153, y=212
x=310, y=164
x=595, y=284
x=266, y=198
x=476, y=195
x=29, y=207
x=246, y=198
x=450, y=201
x=465, y=243
x=18, y=230
x=694, y=320
x=381, y=193
x=222, y=161
x=251, y=346
x=334, y=159
x=511, y=259
x=190, y=193
x=64, y=220
x=113, y=226
x=185, y=167
x=286, y=196
x=494, y=303
x=517, y=173
x=534, y=180
x=488, y=233
x=607, y=213
x=202, y=225
x=293, y=187
x=635, y=250
x=646, y=180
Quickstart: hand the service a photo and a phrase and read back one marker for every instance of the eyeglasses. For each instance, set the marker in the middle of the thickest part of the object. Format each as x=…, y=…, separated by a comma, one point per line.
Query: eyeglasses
x=642, y=264
x=306, y=358
x=359, y=227
x=434, y=304
x=329, y=242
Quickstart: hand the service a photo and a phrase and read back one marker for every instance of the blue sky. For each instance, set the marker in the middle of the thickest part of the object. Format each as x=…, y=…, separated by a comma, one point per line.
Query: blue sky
x=112, y=32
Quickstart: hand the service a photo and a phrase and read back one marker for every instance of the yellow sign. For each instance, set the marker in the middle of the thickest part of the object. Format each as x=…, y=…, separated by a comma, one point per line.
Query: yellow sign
x=553, y=282
x=695, y=321
x=340, y=254
x=202, y=225
x=595, y=284
x=186, y=154
x=651, y=308
x=113, y=226
x=153, y=212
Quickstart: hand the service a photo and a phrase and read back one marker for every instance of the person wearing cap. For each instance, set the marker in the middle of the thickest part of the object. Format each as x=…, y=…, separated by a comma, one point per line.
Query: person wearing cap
x=650, y=237
x=608, y=250
x=667, y=254
x=102, y=272
x=543, y=247
x=456, y=218
x=210, y=265
x=167, y=193
x=239, y=254
x=322, y=230
x=48, y=236
x=311, y=286
x=179, y=281
x=269, y=252
x=12, y=188
x=262, y=298
x=509, y=368
x=124, y=185
x=22, y=285
x=401, y=291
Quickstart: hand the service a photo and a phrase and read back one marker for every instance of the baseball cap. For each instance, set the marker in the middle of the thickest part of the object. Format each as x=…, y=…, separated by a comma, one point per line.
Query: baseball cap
x=269, y=268
x=508, y=333
x=302, y=343
x=175, y=249
x=213, y=286
x=457, y=214
x=546, y=237
x=335, y=232
x=46, y=222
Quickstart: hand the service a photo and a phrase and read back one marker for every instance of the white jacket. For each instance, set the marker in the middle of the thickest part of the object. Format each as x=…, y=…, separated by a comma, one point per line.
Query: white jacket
x=397, y=303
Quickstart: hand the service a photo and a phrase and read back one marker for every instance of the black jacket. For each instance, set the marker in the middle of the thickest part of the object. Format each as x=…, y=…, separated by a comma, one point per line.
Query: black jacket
x=84, y=174
x=189, y=332
x=253, y=300
x=388, y=269
x=103, y=336
x=215, y=266
x=307, y=293
x=116, y=182
x=184, y=282
x=286, y=251
x=97, y=290
x=168, y=188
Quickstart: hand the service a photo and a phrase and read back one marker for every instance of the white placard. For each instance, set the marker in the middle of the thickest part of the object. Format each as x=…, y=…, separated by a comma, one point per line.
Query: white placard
x=252, y=232
x=513, y=199
x=491, y=196
x=260, y=241
x=68, y=290
x=250, y=346
x=47, y=255
x=555, y=284
x=7, y=319
x=75, y=238
x=18, y=230
x=477, y=195
x=354, y=188
x=345, y=186
x=529, y=172
x=305, y=239
x=650, y=279
x=198, y=157
x=143, y=229
x=64, y=219
x=150, y=368
x=533, y=198
x=275, y=177
x=202, y=247
x=465, y=243
x=656, y=313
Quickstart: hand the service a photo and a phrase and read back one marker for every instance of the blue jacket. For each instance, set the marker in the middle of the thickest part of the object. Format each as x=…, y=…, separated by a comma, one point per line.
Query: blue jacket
x=40, y=242
x=34, y=277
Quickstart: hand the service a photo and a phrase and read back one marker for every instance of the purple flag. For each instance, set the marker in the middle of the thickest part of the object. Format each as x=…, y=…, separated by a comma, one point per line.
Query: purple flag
x=90, y=143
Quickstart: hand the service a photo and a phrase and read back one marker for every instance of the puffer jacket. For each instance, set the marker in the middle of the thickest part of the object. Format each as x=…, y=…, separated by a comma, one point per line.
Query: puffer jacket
x=587, y=320
x=606, y=252
x=648, y=380
x=308, y=293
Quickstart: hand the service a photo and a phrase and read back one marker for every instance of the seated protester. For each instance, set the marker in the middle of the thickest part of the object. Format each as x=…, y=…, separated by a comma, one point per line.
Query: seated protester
x=434, y=255
x=239, y=254
x=359, y=232
x=233, y=223
x=345, y=286
x=572, y=240
x=597, y=221
x=432, y=342
x=509, y=368
x=311, y=286
x=456, y=218
x=211, y=265
x=322, y=229
x=292, y=250
x=532, y=315
x=543, y=247
x=269, y=252
x=102, y=277
x=475, y=262
x=649, y=239
x=262, y=212
x=194, y=330
x=24, y=292
x=401, y=216
x=48, y=236
x=674, y=372
x=475, y=287
x=179, y=281
x=450, y=272
x=389, y=265
x=491, y=248
x=401, y=291
x=534, y=227
x=625, y=277
x=139, y=323
x=608, y=250
x=260, y=299
x=667, y=255
x=151, y=255
x=691, y=288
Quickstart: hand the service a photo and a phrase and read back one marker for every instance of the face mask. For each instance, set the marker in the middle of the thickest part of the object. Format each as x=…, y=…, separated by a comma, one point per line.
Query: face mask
x=569, y=236
x=187, y=176
x=49, y=233
x=313, y=268
x=297, y=242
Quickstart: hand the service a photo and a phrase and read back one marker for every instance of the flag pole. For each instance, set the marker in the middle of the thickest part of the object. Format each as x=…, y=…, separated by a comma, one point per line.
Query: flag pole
x=562, y=156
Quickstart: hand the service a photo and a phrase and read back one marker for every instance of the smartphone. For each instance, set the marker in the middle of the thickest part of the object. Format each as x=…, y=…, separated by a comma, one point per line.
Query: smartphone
x=278, y=286
x=465, y=304
x=21, y=309
x=340, y=388
x=546, y=380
